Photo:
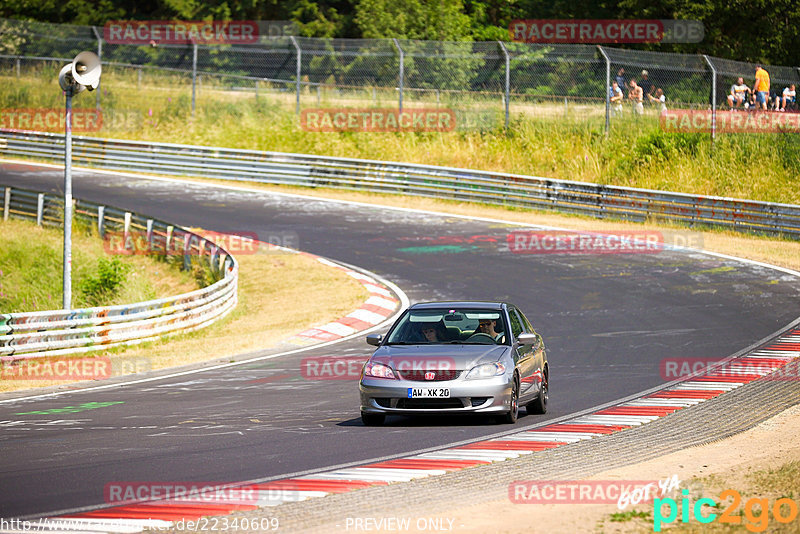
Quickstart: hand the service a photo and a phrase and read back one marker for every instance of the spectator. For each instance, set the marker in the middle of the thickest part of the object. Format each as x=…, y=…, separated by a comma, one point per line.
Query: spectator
x=788, y=96
x=647, y=86
x=620, y=77
x=615, y=97
x=761, y=87
x=659, y=97
x=739, y=94
x=635, y=96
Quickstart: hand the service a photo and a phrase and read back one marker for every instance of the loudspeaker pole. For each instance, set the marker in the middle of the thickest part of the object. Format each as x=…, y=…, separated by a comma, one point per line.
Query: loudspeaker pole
x=67, y=293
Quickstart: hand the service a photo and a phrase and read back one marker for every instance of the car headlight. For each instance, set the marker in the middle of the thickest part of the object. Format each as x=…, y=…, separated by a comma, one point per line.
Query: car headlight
x=378, y=370
x=486, y=370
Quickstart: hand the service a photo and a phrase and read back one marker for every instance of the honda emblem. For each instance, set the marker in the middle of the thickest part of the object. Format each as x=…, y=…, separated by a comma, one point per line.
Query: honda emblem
x=430, y=375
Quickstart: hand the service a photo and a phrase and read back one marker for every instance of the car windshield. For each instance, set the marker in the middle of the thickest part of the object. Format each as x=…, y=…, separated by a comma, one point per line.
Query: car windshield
x=449, y=325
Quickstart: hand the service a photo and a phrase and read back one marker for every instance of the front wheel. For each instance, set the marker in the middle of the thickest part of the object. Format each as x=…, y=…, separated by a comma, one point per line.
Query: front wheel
x=372, y=419
x=539, y=405
x=510, y=417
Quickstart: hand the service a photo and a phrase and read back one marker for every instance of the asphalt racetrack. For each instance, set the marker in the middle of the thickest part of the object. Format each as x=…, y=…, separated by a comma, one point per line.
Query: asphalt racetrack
x=609, y=322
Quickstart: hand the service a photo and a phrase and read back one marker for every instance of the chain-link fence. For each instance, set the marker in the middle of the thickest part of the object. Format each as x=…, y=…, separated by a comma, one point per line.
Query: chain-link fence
x=484, y=81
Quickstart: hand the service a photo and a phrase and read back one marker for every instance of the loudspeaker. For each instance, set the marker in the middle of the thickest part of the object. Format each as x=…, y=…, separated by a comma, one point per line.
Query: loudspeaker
x=82, y=73
x=86, y=70
x=66, y=81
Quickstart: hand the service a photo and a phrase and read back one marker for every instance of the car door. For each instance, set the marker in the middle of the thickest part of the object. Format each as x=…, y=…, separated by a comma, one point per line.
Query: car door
x=524, y=356
x=538, y=355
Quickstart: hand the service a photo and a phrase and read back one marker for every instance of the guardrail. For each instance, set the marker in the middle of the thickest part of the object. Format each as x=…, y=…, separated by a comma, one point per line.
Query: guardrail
x=56, y=332
x=601, y=201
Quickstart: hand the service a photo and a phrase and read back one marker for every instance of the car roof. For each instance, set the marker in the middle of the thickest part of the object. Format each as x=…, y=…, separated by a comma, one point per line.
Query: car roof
x=481, y=305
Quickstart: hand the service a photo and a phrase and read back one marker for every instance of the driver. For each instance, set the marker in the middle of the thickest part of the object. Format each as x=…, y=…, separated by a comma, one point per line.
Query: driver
x=487, y=326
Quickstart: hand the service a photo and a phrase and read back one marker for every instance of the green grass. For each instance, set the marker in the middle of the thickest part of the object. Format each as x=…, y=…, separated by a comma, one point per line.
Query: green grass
x=31, y=271
x=543, y=139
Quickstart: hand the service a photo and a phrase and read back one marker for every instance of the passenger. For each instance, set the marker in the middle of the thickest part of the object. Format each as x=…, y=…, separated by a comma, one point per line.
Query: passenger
x=432, y=332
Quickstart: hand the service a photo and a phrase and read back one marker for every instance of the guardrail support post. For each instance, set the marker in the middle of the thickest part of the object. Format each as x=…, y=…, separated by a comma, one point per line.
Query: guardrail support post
x=508, y=78
x=187, y=244
x=127, y=227
x=101, y=216
x=608, y=86
x=713, y=99
x=150, y=236
x=168, y=239
x=194, y=74
x=39, y=208
x=298, y=73
x=6, y=203
x=400, y=75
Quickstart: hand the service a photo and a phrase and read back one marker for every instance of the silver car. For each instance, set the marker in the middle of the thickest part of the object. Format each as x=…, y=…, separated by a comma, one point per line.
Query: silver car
x=456, y=357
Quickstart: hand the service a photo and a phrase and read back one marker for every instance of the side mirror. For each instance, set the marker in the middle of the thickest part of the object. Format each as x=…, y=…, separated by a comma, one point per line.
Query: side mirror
x=528, y=339
x=374, y=339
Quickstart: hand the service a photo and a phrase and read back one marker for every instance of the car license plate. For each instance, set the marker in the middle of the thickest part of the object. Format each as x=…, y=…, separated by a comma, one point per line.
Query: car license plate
x=422, y=393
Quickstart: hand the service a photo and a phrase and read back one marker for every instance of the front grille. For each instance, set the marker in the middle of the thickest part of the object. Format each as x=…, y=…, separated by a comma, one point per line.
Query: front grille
x=439, y=376
x=429, y=404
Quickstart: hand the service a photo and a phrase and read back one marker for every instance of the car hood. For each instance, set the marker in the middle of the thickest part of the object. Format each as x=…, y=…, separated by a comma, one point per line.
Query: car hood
x=431, y=357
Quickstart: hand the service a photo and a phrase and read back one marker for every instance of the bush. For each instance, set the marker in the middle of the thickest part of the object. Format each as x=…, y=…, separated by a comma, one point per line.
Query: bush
x=105, y=284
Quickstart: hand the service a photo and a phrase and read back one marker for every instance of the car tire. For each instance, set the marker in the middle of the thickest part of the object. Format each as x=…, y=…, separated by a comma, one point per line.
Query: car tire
x=510, y=417
x=372, y=419
x=539, y=406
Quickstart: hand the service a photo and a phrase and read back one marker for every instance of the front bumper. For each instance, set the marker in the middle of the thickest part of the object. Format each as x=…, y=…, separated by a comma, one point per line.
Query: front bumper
x=489, y=396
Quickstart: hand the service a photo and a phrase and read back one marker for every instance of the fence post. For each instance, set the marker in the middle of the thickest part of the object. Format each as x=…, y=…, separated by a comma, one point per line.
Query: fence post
x=39, y=209
x=100, y=55
x=7, y=203
x=194, y=74
x=298, y=69
x=400, y=74
x=713, y=99
x=101, y=216
x=508, y=78
x=18, y=67
x=127, y=226
x=608, y=86
x=149, y=236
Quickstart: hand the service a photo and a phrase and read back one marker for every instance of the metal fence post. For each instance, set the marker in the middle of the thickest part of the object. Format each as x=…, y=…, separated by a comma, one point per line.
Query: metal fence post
x=101, y=222
x=508, y=78
x=39, y=209
x=298, y=68
x=608, y=86
x=400, y=74
x=194, y=74
x=18, y=67
x=100, y=55
x=6, y=203
x=713, y=99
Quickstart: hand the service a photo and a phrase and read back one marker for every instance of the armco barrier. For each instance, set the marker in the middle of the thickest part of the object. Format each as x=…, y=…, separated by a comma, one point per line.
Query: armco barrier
x=46, y=333
x=601, y=201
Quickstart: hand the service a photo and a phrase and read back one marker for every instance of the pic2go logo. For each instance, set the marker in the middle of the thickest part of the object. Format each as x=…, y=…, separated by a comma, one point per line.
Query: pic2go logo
x=756, y=511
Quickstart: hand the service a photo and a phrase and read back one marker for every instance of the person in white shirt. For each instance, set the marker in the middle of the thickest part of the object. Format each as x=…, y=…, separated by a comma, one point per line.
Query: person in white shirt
x=789, y=96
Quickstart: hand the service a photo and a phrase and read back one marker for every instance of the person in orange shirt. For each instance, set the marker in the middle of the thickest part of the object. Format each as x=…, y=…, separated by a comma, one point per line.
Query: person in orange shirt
x=761, y=87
